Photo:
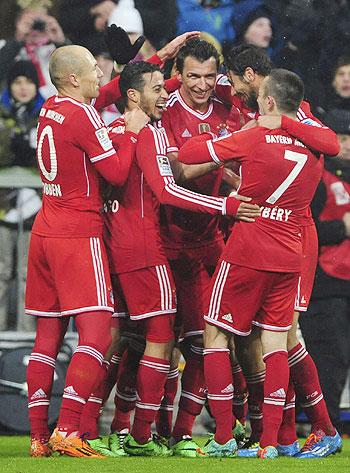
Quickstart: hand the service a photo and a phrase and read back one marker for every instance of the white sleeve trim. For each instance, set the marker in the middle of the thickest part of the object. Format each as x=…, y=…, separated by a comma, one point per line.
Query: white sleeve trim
x=111, y=152
x=212, y=153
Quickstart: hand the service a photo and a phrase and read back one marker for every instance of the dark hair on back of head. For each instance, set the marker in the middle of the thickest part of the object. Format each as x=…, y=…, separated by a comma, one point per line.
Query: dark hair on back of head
x=343, y=60
x=286, y=88
x=131, y=76
x=198, y=49
x=239, y=58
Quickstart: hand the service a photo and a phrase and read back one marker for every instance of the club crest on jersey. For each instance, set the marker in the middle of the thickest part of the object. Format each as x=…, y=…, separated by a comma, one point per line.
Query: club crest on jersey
x=223, y=129
x=204, y=128
x=164, y=166
x=103, y=138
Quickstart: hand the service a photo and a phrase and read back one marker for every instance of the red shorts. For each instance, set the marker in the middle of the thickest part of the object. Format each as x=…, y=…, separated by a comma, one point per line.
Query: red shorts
x=308, y=267
x=241, y=296
x=67, y=276
x=192, y=271
x=149, y=292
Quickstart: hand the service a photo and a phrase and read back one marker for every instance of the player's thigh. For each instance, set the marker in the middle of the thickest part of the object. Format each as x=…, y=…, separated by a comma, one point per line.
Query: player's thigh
x=81, y=274
x=236, y=294
x=192, y=281
x=149, y=292
x=276, y=313
x=41, y=297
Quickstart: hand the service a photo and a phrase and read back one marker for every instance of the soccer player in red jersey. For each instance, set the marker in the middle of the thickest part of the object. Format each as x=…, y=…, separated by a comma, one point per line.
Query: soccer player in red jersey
x=247, y=67
x=138, y=257
x=257, y=284
x=67, y=263
x=193, y=242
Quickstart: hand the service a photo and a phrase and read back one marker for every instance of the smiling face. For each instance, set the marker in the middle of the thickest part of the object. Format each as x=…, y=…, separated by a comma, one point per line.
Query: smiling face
x=198, y=82
x=153, y=97
x=246, y=86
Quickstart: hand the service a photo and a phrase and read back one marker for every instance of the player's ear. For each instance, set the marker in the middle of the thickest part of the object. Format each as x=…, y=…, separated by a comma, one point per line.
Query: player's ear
x=73, y=80
x=133, y=95
x=271, y=103
x=178, y=75
x=249, y=75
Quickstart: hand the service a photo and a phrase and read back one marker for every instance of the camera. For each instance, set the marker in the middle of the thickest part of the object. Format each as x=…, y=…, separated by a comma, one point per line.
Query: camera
x=38, y=25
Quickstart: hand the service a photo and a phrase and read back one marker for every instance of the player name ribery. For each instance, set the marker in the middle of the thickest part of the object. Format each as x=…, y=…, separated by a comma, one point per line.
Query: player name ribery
x=275, y=213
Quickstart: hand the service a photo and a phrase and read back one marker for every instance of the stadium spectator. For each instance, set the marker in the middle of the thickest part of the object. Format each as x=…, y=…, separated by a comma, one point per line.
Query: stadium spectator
x=211, y=16
x=335, y=94
x=326, y=324
x=253, y=23
x=67, y=264
x=84, y=21
x=37, y=35
x=20, y=105
x=155, y=16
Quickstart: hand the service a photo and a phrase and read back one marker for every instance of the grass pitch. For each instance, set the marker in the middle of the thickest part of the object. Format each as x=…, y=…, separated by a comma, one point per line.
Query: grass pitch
x=14, y=459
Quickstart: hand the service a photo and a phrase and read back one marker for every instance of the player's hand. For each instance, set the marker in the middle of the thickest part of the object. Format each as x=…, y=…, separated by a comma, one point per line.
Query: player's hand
x=119, y=44
x=271, y=122
x=170, y=50
x=247, y=212
x=135, y=120
x=54, y=30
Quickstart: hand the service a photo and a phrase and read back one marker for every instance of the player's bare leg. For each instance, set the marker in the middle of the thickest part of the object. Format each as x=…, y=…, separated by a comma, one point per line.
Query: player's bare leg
x=220, y=390
x=274, y=346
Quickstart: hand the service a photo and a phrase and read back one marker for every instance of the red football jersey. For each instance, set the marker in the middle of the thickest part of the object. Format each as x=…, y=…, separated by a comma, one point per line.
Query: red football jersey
x=132, y=228
x=71, y=140
x=281, y=175
x=179, y=227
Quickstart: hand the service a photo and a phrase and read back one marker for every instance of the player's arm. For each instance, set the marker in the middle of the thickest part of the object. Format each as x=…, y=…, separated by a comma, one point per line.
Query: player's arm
x=200, y=149
x=186, y=172
x=308, y=130
x=152, y=159
x=92, y=137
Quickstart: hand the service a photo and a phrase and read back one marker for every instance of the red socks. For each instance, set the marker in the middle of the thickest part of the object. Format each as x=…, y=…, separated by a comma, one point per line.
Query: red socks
x=164, y=420
x=193, y=394
x=125, y=394
x=40, y=373
x=82, y=375
x=275, y=389
x=255, y=383
x=304, y=375
x=218, y=377
x=151, y=379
